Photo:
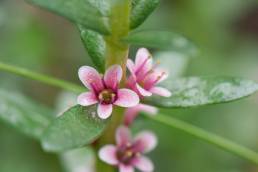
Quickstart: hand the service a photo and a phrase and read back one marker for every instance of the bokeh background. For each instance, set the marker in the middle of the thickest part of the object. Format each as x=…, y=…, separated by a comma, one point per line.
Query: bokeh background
x=226, y=33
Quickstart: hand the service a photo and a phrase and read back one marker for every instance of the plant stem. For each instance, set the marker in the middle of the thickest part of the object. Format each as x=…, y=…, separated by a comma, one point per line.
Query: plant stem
x=190, y=129
x=41, y=78
x=116, y=53
x=211, y=138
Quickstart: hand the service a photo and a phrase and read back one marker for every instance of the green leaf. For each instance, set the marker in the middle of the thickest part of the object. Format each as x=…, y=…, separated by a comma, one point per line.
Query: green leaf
x=23, y=114
x=92, y=14
x=195, y=91
x=82, y=158
x=95, y=44
x=77, y=127
x=164, y=40
x=141, y=9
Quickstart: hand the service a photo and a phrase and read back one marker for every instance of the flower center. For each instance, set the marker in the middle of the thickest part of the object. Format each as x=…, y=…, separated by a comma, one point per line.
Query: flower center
x=126, y=155
x=107, y=96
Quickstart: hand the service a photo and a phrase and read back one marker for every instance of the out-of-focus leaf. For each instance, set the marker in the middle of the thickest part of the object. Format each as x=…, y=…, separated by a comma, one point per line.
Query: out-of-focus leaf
x=78, y=160
x=92, y=14
x=77, y=127
x=141, y=9
x=164, y=40
x=96, y=47
x=195, y=91
x=173, y=63
x=23, y=114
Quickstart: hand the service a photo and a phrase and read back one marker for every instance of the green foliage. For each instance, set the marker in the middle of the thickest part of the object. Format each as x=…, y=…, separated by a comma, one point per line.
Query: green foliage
x=164, y=40
x=77, y=127
x=95, y=44
x=23, y=114
x=196, y=91
x=175, y=64
x=92, y=14
x=141, y=9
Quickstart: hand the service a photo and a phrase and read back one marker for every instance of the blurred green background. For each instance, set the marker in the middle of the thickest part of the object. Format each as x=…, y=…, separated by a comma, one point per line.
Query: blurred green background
x=226, y=32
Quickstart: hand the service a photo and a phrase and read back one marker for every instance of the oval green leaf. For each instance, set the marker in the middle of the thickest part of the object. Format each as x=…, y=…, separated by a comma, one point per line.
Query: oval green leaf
x=164, y=40
x=141, y=9
x=77, y=127
x=95, y=45
x=195, y=91
x=91, y=14
x=23, y=114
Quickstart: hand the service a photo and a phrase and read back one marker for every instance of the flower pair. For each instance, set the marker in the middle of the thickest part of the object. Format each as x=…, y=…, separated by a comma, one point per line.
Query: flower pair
x=105, y=90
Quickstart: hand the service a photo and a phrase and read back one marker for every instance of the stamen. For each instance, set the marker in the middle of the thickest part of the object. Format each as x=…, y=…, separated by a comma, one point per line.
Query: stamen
x=107, y=96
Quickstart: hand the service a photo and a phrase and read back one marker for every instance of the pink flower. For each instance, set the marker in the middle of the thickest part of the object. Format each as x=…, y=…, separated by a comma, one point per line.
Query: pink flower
x=128, y=153
x=105, y=91
x=133, y=112
x=145, y=75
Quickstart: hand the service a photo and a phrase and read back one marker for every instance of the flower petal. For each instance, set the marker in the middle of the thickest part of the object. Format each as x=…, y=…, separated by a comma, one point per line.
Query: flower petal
x=108, y=154
x=86, y=99
x=104, y=111
x=142, y=56
x=126, y=98
x=125, y=168
x=113, y=76
x=145, y=141
x=144, y=164
x=161, y=91
x=130, y=66
x=142, y=91
x=133, y=112
x=123, y=136
x=90, y=78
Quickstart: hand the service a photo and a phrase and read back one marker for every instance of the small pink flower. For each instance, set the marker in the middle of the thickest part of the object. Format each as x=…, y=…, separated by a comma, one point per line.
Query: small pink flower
x=133, y=112
x=128, y=153
x=145, y=75
x=105, y=91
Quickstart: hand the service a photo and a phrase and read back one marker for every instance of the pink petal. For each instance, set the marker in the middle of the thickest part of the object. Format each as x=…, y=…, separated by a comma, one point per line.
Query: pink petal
x=133, y=112
x=90, y=78
x=130, y=66
x=142, y=59
x=86, y=99
x=144, y=164
x=131, y=82
x=146, y=141
x=161, y=91
x=113, y=76
x=142, y=91
x=108, y=154
x=154, y=78
x=104, y=111
x=124, y=168
x=126, y=98
x=123, y=136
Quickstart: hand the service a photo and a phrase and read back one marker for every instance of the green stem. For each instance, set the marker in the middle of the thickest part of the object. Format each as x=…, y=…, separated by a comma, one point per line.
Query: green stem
x=116, y=53
x=211, y=138
x=190, y=129
x=41, y=78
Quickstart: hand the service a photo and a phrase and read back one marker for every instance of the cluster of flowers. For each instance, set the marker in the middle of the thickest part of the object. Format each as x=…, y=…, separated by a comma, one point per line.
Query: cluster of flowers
x=105, y=91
